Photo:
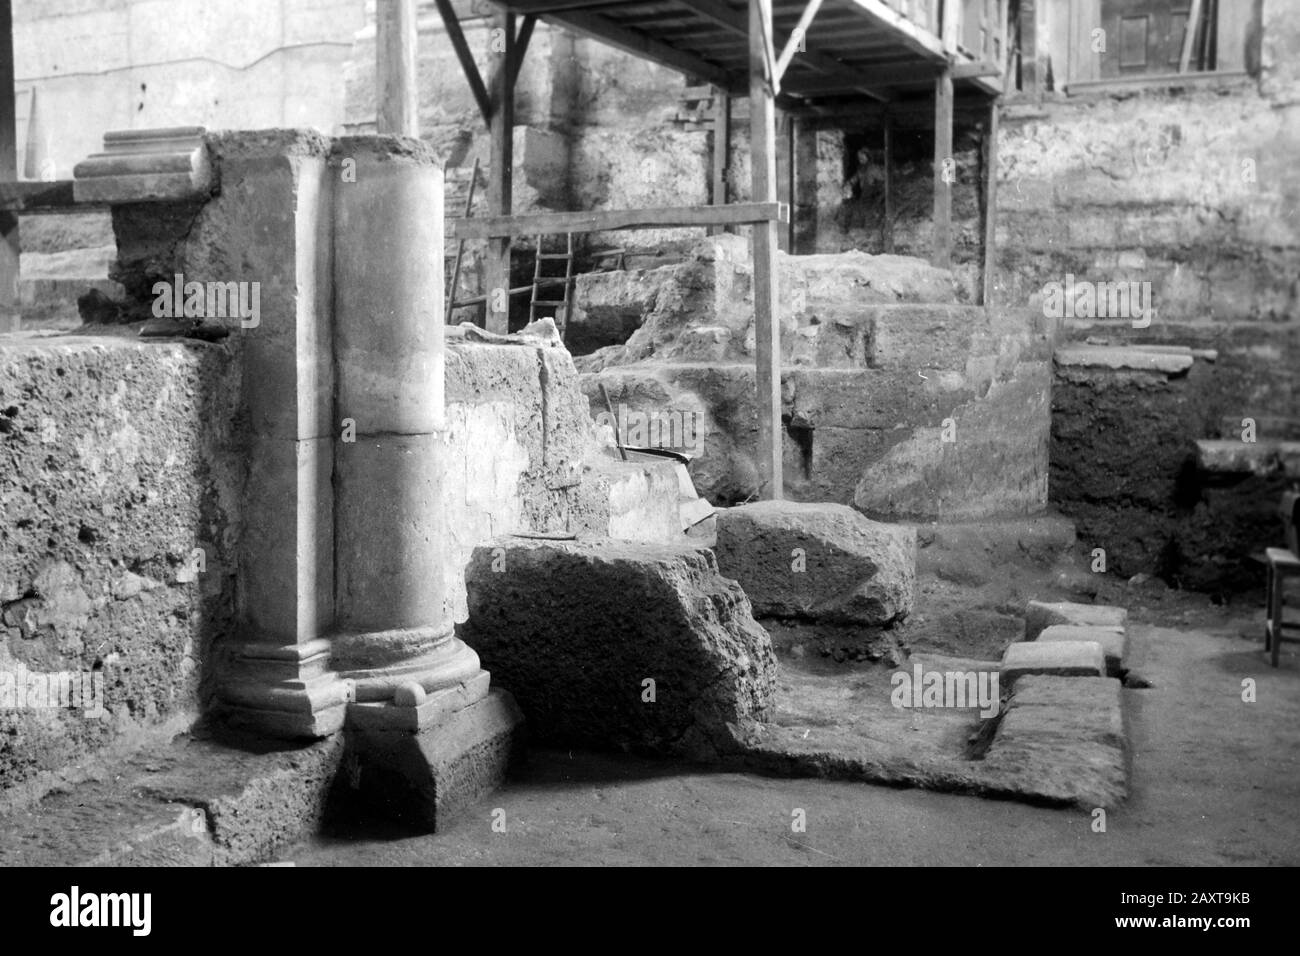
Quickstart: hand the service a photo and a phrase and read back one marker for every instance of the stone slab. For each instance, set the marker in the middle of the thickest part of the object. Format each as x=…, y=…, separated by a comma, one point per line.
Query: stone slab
x=1113, y=641
x=1043, y=614
x=1123, y=358
x=1054, y=658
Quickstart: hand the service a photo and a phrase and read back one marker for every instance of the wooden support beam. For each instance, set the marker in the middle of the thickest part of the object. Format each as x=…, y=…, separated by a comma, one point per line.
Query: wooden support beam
x=887, y=226
x=1189, y=36
x=466, y=58
x=736, y=23
x=913, y=37
x=395, y=59
x=767, y=328
x=990, y=156
x=640, y=44
x=9, y=246
x=521, y=47
x=55, y=196
x=500, y=197
x=721, y=151
x=798, y=37
x=668, y=217
x=945, y=171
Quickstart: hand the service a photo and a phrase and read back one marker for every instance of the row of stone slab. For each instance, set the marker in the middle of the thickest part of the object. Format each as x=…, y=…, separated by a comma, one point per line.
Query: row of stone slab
x=1068, y=640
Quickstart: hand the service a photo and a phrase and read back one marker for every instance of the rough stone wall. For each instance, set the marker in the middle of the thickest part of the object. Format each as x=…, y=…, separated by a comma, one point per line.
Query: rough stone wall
x=897, y=398
x=118, y=459
x=1123, y=467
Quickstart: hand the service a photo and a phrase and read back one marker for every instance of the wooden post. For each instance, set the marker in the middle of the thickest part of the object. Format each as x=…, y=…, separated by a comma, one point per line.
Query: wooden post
x=784, y=173
x=500, y=195
x=887, y=228
x=767, y=333
x=9, y=247
x=395, y=45
x=721, y=150
x=990, y=164
x=945, y=170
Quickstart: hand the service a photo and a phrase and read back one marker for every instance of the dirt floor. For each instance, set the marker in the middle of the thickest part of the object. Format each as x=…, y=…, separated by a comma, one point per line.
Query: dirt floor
x=1215, y=781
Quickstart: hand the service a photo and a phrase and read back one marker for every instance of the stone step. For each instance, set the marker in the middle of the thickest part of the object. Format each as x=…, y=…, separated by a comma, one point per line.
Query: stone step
x=1052, y=658
x=1043, y=614
x=1113, y=641
x=191, y=802
x=1124, y=358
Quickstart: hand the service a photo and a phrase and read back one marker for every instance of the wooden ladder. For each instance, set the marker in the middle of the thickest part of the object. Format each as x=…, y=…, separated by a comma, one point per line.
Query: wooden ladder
x=562, y=305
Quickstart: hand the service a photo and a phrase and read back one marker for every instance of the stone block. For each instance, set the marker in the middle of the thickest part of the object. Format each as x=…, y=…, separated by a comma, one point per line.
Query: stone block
x=615, y=645
x=426, y=778
x=1042, y=614
x=1113, y=641
x=823, y=562
x=1053, y=658
x=146, y=165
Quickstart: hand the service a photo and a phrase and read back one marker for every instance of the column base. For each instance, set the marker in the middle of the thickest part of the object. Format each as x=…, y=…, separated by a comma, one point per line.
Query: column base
x=285, y=692
x=424, y=778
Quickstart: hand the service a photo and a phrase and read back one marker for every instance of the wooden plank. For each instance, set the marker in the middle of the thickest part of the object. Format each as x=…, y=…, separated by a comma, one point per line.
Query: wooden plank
x=500, y=196
x=9, y=246
x=668, y=217
x=941, y=254
x=767, y=329
x=466, y=58
x=395, y=65
x=990, y=156
x=721, y=151
x=1234, y=33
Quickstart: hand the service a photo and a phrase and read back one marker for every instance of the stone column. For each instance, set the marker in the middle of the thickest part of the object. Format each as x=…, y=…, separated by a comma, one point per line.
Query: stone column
x=394, y=631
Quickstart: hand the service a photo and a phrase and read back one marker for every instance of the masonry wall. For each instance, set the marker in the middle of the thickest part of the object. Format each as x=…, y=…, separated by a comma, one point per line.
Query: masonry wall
x=121, y=465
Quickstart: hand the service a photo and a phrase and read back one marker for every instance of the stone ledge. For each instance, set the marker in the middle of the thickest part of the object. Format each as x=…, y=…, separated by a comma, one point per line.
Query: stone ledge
x=1043, y=614
x=1261, y=458
x=148, y=165
x=1124, y=358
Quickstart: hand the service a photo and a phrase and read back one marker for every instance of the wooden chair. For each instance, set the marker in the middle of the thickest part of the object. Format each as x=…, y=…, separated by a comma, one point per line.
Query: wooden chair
x=1283, y=563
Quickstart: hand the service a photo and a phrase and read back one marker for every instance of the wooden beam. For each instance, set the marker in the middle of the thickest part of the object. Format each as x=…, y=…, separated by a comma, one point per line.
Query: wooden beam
x=500, y=196
x=54, y=196
x=395, y=60
x=736, y=23
x=642, y=45
x=721, y=151
x=1189, y=37
x=913, y=37
x=767, y=328
x=9, y=246
x=521, y=46
x=466, y=58
x=797, y=37
x=990, y=155
x=887, y=227
x=945, y=170
x=669, y=217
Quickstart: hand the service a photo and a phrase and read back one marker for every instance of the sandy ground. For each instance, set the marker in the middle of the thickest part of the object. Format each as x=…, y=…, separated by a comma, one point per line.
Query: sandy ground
x=1215, y=781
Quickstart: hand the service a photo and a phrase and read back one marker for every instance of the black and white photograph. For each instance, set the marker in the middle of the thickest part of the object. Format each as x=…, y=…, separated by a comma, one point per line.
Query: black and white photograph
x=665, y=433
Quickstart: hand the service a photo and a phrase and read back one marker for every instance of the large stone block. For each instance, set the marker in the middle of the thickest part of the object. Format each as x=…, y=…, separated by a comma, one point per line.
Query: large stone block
x=1054, y=659
x=1112, y=640
x=1040, y=615
x=820, y=561
x=607, y=644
